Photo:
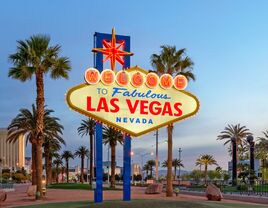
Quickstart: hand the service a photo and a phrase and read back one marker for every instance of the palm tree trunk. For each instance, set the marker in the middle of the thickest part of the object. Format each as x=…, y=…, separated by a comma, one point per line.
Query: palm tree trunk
x=175, y=172
x=46, y=151
x=263, y=168
x=49, y=176
x=67, y=170
x=57, y=174
x=82, y=170
x=112, y=167
x=34, y=181
x=169, y=191
x=39, y=169
x=40, y=102
x=206, y=173
x=62, y=172
x=91, y=160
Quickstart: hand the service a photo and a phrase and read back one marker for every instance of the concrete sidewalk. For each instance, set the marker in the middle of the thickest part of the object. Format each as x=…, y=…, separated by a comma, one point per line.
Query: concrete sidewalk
x=20, y=198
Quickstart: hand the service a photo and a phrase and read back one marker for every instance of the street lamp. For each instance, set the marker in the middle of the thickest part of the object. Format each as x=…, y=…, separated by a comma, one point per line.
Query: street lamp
x=142, y=156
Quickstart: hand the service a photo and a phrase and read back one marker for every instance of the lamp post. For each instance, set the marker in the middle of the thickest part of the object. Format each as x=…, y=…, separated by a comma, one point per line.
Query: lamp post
x=234, y=160
x=179, y=150
x=251, y=148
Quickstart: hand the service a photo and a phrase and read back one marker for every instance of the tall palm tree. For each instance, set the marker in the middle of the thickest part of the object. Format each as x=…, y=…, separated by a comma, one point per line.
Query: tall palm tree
x=35, y=57
x=151, y=164
x=25, y=123
x=206, y=160
x=67, y=155
x=238, y=132
x=261, y=151
x=174, y=62
x=82, y=152
x=112, y=137
x=87, y=127
x=57, y=162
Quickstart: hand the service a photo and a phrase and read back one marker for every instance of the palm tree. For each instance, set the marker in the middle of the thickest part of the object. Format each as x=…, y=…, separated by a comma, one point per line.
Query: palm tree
x=238, y=132
x=67, y=155
x=52, y=144
x=261, y=150
x=82, y=152
x=34, y=57
x=174, y=62
x=146, y=168
x=151, y=164
x=206, y=160
x=175, y=163
x=111, y=137
x=57, y=162
x=25, y=123
x=87, y=127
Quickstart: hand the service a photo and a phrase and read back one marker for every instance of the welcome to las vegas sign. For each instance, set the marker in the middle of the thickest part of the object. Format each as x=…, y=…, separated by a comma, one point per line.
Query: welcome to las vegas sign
x=133, y=100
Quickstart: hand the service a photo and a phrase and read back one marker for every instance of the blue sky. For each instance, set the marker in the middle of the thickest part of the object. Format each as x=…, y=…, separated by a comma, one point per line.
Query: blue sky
x=227, y=40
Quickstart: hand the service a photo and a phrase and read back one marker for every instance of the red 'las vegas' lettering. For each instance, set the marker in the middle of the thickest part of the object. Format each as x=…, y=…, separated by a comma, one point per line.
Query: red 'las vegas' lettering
x=103, y=105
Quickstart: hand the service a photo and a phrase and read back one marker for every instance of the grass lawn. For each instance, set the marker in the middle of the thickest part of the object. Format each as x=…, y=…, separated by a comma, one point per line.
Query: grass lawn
x=146, y=204
x=75, y=186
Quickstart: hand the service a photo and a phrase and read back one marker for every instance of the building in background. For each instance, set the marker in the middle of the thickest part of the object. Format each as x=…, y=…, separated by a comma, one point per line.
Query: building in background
x=12, y=154
x=135, y=169
x=28, y=164
x=107, y=167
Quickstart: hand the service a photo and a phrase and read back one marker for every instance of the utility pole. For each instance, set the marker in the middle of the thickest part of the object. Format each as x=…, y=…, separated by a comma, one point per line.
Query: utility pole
x=156, y=155
x=180, y=150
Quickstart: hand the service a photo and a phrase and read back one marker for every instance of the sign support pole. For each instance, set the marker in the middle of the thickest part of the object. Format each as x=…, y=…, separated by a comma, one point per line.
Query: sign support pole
x=127, y=169
x=98, y=193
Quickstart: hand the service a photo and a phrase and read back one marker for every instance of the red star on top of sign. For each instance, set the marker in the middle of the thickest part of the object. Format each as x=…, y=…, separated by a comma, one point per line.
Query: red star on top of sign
x=114, y=50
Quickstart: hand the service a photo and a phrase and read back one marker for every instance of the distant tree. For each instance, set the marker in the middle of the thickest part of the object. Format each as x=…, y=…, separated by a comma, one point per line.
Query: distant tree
x=238, y=132
x=146, y=168
x=87, y=127
x=82, y=152
x=137, y=177
x=151, y=164
x=261, y=152
x=112, y=137
x=57, y=162
x=196, y=175
x=175, y=163
x=206, y=160
x=67, y=155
